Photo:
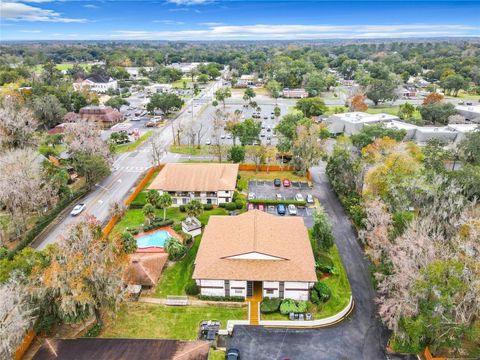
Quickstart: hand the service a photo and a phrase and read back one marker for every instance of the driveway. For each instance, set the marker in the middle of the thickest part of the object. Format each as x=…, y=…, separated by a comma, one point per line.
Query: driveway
x=361, y=336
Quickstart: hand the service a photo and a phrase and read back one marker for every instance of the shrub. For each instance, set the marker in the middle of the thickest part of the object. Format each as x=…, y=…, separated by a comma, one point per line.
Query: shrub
x=182, y=208
x=231, y=206
x=129, y=243
x=290, y=305
x=324, y=263
x=400, y=223
x=174, y=248
x=276, y=202
x=322, y=231
x=221, y=298
x=239, y=204
x=94, y=331
x=133, y=231
x=270, y=305
x=136, y=205
x=158, y=222
x=321, y=293
x=223, y=205
x=177, y=227
x=192, y=288
x=207, y=207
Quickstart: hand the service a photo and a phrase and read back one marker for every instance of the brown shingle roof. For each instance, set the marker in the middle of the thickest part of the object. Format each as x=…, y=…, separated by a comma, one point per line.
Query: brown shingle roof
x=122, y=349
x=144, y=269
x=285, y=238
x=196, y=177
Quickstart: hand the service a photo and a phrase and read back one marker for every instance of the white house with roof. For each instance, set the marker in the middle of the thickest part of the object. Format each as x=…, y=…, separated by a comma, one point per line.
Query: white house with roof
x=254, y=252
x=96, y=83
x=209, y=183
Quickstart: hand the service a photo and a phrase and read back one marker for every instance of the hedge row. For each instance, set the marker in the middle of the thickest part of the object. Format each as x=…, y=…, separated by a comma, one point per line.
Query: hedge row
x=136, y=205
x=221, y=298
x=276, y=202
x=45, y=220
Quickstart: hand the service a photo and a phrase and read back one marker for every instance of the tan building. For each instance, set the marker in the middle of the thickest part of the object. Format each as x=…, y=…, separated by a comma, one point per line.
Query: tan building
x=104, y=116
x=240, y=253
x=209, y=183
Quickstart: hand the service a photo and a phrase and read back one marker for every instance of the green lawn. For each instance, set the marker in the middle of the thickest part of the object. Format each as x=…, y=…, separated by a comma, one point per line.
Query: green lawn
x=132, y=146
x=245, y=176
x=179, y=83
x=176, y=277
x=340, y=293
x=39, y=68
x=189, y=150
x=138, y=320
x=216, y=355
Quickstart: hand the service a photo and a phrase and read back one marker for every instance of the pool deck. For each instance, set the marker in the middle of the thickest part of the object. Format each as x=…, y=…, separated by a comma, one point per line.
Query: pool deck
x=156, y=249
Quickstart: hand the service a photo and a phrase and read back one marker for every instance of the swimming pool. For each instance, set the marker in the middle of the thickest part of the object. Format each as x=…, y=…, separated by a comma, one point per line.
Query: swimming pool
x=154, y=239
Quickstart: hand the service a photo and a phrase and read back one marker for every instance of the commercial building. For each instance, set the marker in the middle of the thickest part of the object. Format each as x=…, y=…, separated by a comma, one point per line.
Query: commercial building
x=294, y=93
x=96, y=83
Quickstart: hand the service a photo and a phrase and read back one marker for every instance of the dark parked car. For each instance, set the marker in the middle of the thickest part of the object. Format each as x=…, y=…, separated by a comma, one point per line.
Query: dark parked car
x=233, y=354
x=277, y=182
x=281, y=210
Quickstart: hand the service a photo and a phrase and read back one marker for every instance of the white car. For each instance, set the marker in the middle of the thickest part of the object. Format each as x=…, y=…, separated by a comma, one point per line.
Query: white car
x=229, y=136
x=77, y=209
x=309, y=199
x=299, y=197
x=292, y=210
x=222, y=136
x=208, y=142
x=279, y=196
x=251, y=196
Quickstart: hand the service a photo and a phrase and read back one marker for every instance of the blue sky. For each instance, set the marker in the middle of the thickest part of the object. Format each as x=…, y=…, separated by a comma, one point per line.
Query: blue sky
x=234, y=19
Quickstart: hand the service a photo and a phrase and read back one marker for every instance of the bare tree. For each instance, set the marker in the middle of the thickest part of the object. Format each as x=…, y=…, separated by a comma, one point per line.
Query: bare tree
x=217, y=148
x=257, y=154
x=456, y=119
x=117, y=208
x=84, y=138
x=17, y=124
x=200, y=134
x=16, y=316
x=157, y=148
x=23, y=190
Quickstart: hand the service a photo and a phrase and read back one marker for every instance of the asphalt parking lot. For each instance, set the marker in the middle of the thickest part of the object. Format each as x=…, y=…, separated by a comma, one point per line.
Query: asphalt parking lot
x=265, y=190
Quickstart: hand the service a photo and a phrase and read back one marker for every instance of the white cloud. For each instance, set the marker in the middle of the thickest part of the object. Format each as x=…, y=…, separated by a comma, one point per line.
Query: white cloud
x=30, y=31
x=168, y=22
x=280, y=32
x=90, y=6
x=15, y=11
x=211, y=24
x=189, y=2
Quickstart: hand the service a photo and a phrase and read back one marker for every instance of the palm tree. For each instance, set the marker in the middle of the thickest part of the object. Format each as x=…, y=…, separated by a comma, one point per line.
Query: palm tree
x=149, y=212
x=153, y=198
x=164, y=201
x=194, y=208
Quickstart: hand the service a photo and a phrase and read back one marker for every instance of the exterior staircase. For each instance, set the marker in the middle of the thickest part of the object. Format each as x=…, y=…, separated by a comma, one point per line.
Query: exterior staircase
x=255, y=301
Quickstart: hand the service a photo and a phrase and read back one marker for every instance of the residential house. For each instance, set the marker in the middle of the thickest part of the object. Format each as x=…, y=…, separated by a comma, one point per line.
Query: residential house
x=144, y=269
x=253, y=250
x=294, y=93
x=209, y=183
x=104, y=116
x=96, y=83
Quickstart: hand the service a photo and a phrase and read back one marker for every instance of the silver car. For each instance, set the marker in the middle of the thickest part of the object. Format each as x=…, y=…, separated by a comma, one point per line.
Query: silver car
x=77, y=209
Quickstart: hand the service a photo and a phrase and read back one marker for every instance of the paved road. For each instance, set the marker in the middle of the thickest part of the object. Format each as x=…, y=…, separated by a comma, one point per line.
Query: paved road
x=361, y=336
x=126, y=171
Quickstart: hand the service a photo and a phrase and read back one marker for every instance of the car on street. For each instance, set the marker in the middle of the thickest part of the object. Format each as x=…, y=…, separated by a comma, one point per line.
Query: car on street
x=251, y=207
x=286, y=183
x=272, y=117
x=277, y=182
x=233, y=354
x=265, y=117
x=77, y=209
x=208, y=142
x=281, y=209
x=262, y=134
x=292, y=209
x=269, y=129
x=229, y=136
x=251, y=196
x=299, y=197
x=222, y=136
x=309, y=199
x=261, y=207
